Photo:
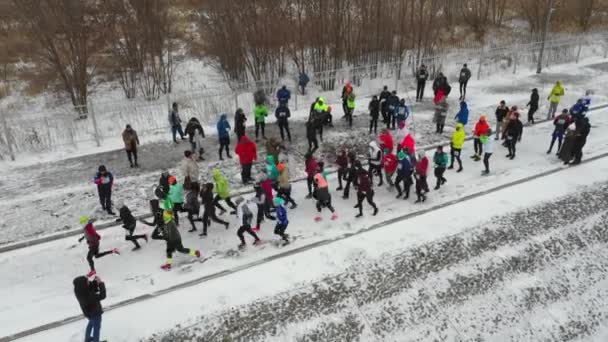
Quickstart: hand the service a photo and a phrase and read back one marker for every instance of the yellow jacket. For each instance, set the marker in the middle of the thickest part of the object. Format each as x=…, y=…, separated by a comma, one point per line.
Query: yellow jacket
x=458, y=136
x=557, y=92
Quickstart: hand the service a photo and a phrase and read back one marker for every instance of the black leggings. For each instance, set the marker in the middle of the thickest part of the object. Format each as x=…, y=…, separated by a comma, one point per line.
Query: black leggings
x=191, y=218
x=245, y=173
x=285, y=193
x=263, y=211
x=455, y=154
x=477, y=146
x=258, y=126
x=241, y=232
x=176, y=246
x=531, y=112
x=373, y=125
x=216, y=203
x=279, y=230
x=132, y=156
x=313, y=145
x=511, y=142
x=325, y=204
x=341, y=174
x=439, y=175
x=407, y=183
x=224, y=144
x=209, y=215
x=284, y=126
x=486, y=161
x=94, y=253
x=131, y=237
x=365, y=195
x=309, y=181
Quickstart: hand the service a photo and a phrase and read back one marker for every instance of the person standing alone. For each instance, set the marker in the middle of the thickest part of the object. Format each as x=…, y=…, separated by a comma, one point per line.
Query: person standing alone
x=104, y=181
x=129, y=137
x=463, y=79
x=223, y=132
x=421, y=76
x=176, y=123
x=554, y=97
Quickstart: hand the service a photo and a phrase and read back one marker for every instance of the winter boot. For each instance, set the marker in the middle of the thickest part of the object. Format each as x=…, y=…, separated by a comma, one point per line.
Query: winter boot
x=334, y=217
x=166, y=267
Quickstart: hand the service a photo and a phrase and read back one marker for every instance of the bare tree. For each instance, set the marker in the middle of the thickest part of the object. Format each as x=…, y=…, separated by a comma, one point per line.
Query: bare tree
x=68, y=35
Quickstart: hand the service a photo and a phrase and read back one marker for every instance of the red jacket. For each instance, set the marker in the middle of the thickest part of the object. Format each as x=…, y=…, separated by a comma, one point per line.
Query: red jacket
x=246, y=150
x=422, y=166
x=267, y=187
x=409, y=142
x=481, y=128
x=363, y=182
x=386, y=141
x=91, y=235
x=311, y=167
x=390, y=163
x=342, y=160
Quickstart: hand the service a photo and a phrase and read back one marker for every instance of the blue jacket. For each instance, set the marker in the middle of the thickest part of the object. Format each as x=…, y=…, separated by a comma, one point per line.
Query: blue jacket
x=579, y=108
x=405, y=167
x=223, y=127
x=281, y=215
x=283, y=95
x=402, y=112
x=463, y=114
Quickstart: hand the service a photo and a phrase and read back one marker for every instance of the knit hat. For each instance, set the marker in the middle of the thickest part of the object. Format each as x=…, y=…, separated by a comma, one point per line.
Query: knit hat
x=401, y=155
x=84, y=220
x=172, y=180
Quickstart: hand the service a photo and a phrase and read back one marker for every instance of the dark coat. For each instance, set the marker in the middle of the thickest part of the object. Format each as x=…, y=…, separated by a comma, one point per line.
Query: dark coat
x=239, y=122
x=514, y=129
x=534, y=98
x=374, y=108
x=282, y=114
x=364, y=184
x=89, y=296
x=126, y=217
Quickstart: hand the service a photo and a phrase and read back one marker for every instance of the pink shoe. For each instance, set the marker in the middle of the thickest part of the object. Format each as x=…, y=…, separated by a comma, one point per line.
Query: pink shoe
x=198, y=254
x=318, y=219
x=334, y=217
x=91, y=274
x=115, y=251
x=256, y=229
x=166, y=267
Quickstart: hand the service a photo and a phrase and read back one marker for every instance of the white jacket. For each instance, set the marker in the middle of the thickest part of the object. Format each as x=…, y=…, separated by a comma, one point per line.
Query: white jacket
x=189, y=167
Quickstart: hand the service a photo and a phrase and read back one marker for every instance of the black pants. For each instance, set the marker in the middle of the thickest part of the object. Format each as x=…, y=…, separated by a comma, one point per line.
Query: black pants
x=407, y=184
x=285, y=193
x=263, y=211
x=131, y=237
x=511, y=142
x=132, y=156
x=420, y=90
x=421, y=186
x=210, y=215
x=279, y=230
x=486, y=161
x=191, y=219
x=309, y=181
x=531, y=112
x=177, y=208
x=105, y=198
x=216, y=203
x=455, y=155
x=345, y=106
x=239, y=133
x=439, y=175
x=439, y=128
x=370, y=200
x=346, y=193
x=325, y=204
x=560, y=138
x=313, y=144
x=349, y=117
x=225, y=144
x=477, y=146
x=463, y=88
x=246, y=173
x=94, y=253
x=577, y=151
x=341, y=174
x=241, y=232
x=320, y=131
x=173, y=246
x=258, y=126
x=284, y=127
x=377, y=170
x=373, y=125
x=390, y=122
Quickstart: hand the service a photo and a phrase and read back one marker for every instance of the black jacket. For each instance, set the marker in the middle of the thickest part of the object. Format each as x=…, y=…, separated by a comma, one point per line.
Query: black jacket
x=126, y=217
x=514, y=129
x=501, y=113
x=582, y=127
x=311, y=131
x=282, y=114
x=465, y=74
x=89, y=295
x=239, y=121
x=374, y=108
x=422, y=74
x=207, y=199
x=392, y=102
x=533, y=100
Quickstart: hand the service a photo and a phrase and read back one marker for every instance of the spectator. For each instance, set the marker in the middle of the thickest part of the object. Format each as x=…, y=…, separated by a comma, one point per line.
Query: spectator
x=283, y=96
x=463, y=79
x=421, y=76
x=129, y=137
x=303, y=82
x=223, y=132
x=176, y=123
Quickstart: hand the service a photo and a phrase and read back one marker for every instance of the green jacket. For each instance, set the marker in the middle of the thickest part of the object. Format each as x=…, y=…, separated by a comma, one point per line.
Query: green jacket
x=440, y=159
x=350, y=102
x=260, y=112
x=176, y=193
x=271, y=168
x=221, y=184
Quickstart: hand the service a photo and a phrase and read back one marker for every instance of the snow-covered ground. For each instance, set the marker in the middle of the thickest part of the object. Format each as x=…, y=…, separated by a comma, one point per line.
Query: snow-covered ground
x=53, y=200
x=36, y=281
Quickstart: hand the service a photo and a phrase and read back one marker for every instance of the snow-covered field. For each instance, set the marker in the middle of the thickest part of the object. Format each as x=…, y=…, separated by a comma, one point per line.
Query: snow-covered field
x=338, y=280
x=40, y=276
x=53, y=200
